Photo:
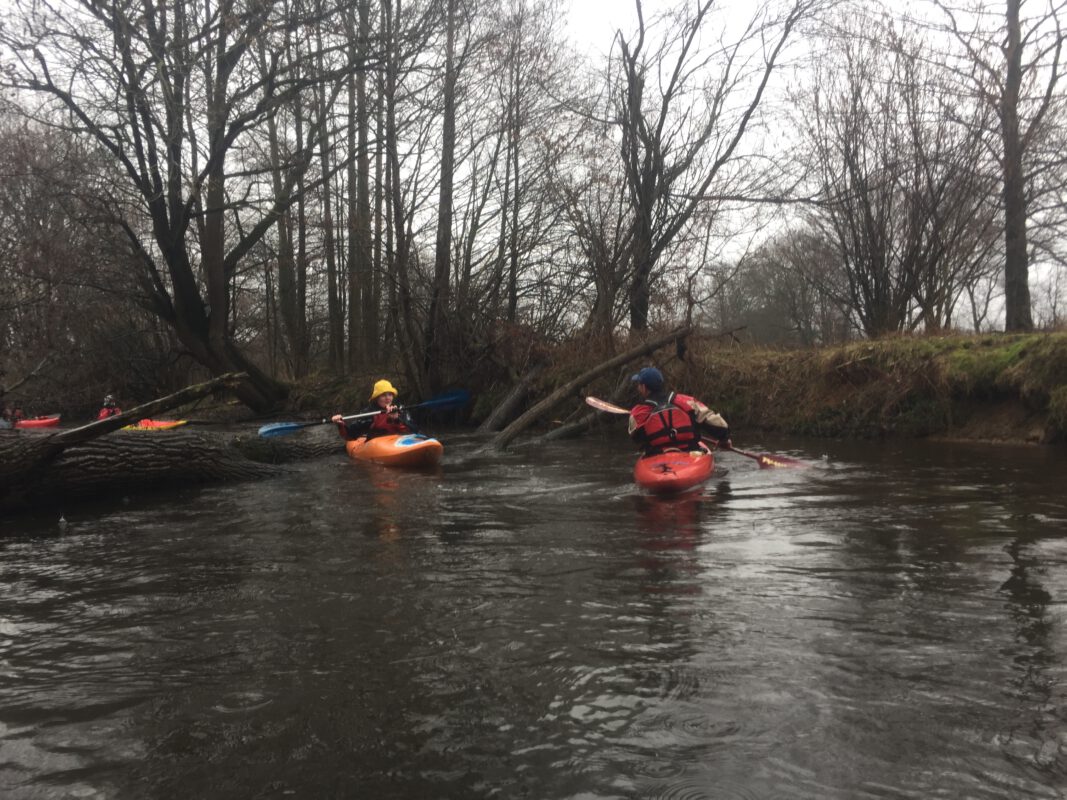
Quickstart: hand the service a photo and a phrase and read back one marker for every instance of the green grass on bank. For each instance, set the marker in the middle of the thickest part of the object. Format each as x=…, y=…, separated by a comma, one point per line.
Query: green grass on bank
x=995, y=386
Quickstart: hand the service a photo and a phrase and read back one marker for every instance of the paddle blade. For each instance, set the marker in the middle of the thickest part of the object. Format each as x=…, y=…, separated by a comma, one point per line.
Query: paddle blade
x=762, y=459
x=282, y=428
x=604, y=405
x=453, y=399
x=773, y=462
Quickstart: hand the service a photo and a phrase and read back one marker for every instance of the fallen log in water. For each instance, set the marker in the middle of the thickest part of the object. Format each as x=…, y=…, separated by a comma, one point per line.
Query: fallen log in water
x=506, y=436
x=42, y=468
x=503, y=412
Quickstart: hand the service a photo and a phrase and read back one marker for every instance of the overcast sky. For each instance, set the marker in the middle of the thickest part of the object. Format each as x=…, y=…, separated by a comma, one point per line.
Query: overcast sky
x=593, y=22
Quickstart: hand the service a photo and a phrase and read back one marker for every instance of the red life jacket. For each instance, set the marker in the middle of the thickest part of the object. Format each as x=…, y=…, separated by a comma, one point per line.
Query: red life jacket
x=381, y=425
x=670, y=426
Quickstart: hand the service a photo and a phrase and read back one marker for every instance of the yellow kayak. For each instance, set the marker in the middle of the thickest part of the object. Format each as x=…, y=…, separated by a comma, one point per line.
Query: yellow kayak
x=405, y=450
x=155, y=425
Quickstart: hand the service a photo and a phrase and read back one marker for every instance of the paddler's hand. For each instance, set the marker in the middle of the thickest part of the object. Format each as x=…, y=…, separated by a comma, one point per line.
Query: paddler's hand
x=392, y=412
x=337, y=418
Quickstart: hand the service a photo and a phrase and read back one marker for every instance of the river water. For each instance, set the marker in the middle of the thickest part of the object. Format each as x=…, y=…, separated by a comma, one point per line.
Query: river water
x=886, y=623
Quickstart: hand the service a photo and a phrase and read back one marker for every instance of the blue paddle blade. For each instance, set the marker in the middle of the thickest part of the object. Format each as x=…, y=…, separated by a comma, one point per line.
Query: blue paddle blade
x=282, y=428
x=456, y=398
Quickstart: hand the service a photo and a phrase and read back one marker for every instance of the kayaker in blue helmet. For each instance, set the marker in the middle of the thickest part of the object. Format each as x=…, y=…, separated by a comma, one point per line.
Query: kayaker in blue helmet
x=664, y=420
x=393, y=419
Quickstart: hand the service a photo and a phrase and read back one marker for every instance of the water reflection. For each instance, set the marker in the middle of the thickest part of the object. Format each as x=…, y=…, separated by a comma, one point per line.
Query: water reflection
x=385, y=499
x=1037, y=665
x=887, y=624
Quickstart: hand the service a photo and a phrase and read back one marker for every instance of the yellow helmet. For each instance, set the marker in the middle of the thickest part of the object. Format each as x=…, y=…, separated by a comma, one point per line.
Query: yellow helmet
x=381, y=387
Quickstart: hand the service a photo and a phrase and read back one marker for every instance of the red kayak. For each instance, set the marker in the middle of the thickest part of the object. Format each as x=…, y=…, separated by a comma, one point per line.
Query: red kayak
x=39, y=422
x=667, y=473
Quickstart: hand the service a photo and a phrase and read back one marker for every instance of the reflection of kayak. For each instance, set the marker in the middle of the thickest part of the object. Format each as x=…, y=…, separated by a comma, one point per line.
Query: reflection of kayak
x=155, y=424
x=39, y=422
x=673, y=472
x=406, y=450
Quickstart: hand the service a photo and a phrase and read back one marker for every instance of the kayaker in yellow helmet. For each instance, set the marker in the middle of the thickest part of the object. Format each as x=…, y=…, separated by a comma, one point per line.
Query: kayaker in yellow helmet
x=664, y=420
x=391, y=421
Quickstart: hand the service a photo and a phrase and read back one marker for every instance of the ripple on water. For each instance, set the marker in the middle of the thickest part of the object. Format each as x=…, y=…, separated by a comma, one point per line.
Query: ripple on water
x=691, y=788
x=695, y=724
x=242, y=702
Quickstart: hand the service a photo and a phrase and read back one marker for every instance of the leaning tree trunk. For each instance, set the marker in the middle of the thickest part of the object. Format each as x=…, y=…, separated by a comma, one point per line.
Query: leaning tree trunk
x=506, y=436
x=496, y=420
x=585, y=421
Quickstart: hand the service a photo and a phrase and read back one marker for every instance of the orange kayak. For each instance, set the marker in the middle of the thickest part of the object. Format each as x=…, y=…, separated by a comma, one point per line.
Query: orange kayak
x=406, y=450
x=667, y=473
x=155, y=425
x=39, y=422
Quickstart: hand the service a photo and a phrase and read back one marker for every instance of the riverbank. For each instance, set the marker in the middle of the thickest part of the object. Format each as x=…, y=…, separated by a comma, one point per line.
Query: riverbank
x=991, y=387
x=995, y=387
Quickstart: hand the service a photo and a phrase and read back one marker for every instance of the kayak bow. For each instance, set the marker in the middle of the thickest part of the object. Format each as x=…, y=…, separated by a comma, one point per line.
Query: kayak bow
x=39, y=422
x=155, y=424
x=405, y=450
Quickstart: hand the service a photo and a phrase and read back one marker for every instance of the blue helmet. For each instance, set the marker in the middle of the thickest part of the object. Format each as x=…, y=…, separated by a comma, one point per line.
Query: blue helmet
x=650, y=377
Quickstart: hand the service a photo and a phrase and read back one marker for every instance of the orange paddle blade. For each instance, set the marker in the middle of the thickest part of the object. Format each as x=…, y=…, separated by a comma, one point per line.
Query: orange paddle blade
x=770, y=462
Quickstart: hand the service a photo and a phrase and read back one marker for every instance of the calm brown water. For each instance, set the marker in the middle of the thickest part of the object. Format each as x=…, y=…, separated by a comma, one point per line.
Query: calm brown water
x=889, y=623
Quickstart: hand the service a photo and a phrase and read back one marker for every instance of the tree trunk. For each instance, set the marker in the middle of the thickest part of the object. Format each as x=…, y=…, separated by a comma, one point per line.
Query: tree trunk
x=586, y=421
x=509, y=433
x=1016, y=268
x=334, y=302
x=41, y=468
x=436, y=330
x=361, y=308
x=292, y=304
x=129, y=461
x=373, y=296
x=496, y=420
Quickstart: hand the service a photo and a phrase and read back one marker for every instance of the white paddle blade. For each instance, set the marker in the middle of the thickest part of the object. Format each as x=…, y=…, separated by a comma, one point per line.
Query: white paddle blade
x=604, y=405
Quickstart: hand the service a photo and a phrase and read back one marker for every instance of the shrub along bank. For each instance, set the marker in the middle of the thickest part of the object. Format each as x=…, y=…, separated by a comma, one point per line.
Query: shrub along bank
x=996, y=387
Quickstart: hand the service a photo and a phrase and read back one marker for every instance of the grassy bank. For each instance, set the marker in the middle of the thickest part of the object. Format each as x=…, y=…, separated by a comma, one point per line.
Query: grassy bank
x=990, y=387
x=995, y=387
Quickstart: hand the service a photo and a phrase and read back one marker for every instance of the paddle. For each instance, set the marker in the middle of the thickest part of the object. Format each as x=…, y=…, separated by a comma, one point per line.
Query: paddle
x=455, y=398
x=604, y=405
x=765, y=461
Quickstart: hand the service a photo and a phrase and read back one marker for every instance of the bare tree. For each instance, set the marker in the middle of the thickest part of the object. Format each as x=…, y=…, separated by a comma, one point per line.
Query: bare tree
x=599, y=217
x=440, y=286
x=905, y=199
x=362, y=298
x=683, y=109
x=64, y=298
x=290, y=252
x=172, y=93
x=1013, y=64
